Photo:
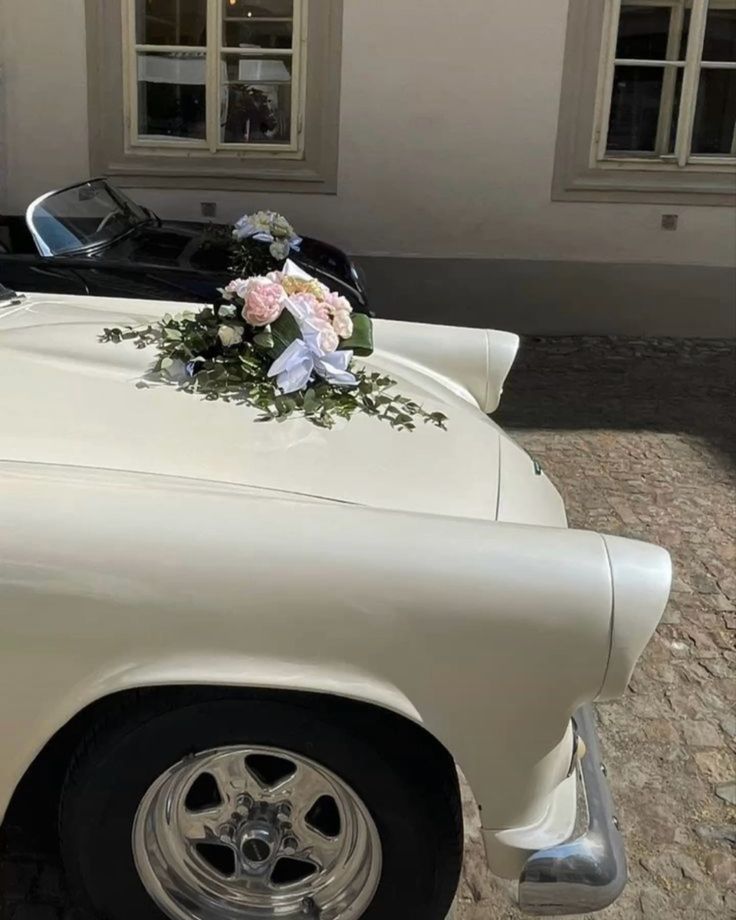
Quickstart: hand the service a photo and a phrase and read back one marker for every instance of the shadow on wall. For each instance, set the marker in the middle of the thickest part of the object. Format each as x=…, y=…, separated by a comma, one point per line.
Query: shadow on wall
x=682, y=386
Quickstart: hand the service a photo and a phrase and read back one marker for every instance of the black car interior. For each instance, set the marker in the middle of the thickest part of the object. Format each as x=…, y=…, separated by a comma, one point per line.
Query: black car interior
x=15, y=237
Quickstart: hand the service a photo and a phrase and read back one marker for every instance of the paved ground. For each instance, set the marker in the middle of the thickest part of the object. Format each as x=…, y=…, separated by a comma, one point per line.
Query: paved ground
x=640, y=437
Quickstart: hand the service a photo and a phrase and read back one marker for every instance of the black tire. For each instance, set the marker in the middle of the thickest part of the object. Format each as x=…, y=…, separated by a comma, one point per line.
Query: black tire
x=408, y=784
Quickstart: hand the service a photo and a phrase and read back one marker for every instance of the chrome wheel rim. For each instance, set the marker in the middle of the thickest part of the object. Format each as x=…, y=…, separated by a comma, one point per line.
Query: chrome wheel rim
x=255, y=833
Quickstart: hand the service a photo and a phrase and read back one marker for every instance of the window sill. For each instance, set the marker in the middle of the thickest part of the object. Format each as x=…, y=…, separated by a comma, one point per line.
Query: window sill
x=195, y=169
x=630, y=183
x=240, y=176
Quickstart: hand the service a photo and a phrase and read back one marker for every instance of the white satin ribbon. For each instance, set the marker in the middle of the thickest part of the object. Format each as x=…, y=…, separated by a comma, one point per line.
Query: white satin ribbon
x=305, y=357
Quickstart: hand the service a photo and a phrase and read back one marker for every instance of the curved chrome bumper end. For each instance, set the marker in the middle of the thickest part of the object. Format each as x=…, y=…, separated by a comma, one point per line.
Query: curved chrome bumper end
x=588, y=873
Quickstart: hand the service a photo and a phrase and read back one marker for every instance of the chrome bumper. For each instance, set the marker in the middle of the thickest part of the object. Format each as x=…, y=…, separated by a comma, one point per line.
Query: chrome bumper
x=588, y=873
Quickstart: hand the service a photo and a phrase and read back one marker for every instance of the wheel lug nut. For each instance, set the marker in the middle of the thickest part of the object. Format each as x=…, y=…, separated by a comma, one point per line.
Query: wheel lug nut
x=285, y=810
x=290, y=845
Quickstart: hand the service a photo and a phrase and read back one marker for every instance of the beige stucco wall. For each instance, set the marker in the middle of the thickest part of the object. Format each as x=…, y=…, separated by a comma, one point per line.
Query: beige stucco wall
x=449, y=119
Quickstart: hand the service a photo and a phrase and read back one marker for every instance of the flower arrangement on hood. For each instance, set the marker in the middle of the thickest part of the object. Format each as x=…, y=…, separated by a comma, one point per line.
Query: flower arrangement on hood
x=283, y=343
x=269, y=227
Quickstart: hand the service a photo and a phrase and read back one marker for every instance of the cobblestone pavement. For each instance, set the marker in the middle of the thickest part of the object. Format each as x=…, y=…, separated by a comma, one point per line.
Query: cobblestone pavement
x=640, y=438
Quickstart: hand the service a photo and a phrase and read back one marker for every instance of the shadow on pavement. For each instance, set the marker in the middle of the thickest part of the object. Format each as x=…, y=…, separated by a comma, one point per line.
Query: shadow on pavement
x=683, y=386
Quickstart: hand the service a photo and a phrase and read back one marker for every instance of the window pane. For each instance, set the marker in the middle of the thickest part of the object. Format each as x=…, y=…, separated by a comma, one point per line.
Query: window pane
x=171, y=22
x=260, y=9
x=720, y=36
x=256, y=100
x=635, y=107
x=643, y=33
x=247, y=25
x=670, y=129
x=172, y=95
x=257, y=34
x=715, y=114
x=685, y=32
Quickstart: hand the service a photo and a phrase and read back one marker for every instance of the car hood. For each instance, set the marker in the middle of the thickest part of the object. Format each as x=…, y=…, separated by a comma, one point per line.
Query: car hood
x=68, y=399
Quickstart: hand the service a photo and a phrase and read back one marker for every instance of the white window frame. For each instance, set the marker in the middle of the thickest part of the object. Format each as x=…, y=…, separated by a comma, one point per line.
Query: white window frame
x=213, y=52
x=581, y=172
x=307, y=164
x=692, y=65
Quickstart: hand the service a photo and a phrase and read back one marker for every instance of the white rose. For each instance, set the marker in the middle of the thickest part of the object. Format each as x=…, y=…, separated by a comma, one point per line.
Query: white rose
x=342, y=324
x=328, y=339
x=239, y=286
x=230, y=335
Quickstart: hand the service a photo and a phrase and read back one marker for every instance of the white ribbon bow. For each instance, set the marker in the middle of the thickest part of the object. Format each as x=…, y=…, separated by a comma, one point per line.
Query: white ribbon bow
x=305, y=357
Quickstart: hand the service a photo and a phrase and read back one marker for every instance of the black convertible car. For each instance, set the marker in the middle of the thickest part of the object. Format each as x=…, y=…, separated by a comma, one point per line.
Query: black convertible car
x=90, y=238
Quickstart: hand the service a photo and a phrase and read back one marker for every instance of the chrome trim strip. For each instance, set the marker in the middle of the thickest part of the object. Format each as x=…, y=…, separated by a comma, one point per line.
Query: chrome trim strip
x=588, y=873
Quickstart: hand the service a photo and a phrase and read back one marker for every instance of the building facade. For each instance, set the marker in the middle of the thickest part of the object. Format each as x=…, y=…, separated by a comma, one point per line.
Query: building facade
x=548, y=166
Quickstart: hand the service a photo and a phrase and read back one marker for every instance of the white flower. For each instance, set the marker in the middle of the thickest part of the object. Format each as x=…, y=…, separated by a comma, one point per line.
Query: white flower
x=327, y=338
x=280, y=249
x=239, y=286
x=342, y=323
x=230, y=335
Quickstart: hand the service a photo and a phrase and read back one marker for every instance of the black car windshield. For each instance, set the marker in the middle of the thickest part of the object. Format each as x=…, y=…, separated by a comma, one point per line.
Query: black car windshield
x=85, y=215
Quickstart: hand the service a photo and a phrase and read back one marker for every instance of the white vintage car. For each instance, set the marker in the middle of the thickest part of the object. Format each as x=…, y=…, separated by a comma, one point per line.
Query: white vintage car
x=242, y=660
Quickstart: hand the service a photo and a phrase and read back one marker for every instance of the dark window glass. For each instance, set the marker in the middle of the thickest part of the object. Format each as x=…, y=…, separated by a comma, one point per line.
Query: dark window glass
x=672, y=141
x=256, y=102
x=720, y=36
x=172, y=95
x=685, y=35
x=268, y=24
x=171, y=22
x=256, y=34
x=643, y=33
x=635, y=106
x=715, y=114
x=258, y=9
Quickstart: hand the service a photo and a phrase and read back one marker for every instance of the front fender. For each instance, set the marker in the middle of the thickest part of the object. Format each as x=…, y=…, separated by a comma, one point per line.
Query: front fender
x=479, y=360
x=489, y=634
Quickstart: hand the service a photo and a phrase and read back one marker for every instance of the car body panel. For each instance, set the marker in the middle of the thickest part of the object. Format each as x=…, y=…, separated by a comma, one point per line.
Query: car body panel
x=53, y=345
x=107, y=581
x=150, y=538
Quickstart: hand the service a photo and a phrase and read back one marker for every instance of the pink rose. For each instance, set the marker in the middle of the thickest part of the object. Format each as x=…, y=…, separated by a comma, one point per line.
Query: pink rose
x=264, y=303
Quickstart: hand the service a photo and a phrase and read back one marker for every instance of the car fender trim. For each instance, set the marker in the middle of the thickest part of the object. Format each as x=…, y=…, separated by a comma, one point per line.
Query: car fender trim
x=589, y=872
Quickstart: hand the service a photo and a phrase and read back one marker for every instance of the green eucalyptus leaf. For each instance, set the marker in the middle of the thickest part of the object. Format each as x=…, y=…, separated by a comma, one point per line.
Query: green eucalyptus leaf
x=311, y=401
x=239, y=374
